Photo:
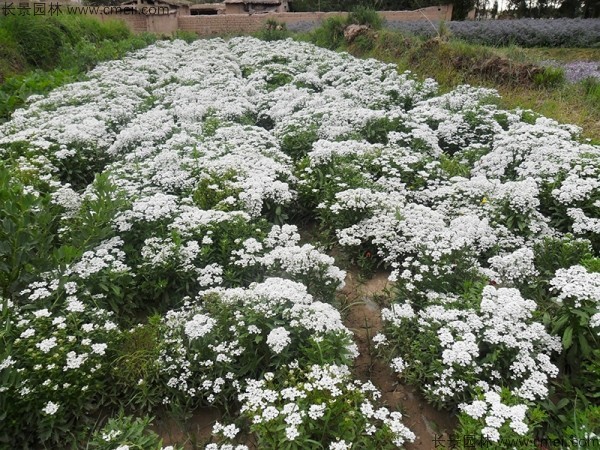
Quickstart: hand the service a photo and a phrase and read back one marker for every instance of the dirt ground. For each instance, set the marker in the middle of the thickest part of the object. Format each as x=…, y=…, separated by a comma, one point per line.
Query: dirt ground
x=364, y=319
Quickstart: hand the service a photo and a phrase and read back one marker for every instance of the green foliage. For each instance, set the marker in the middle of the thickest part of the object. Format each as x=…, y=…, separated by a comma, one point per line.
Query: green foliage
x=214, y=188
x=330, y=34
x=460, y=9
x=363, y=15
x=278, y=79
x=454, y=167
x=92, y=223
x=363, y=43
x=550, y=77
x=376, y=131
x=591, y=264
x=134, y=372
x=298, y=141
x=187, y=36
x=273, y=31
x=53, y=51
x=27, y=234
x=126, y=431
x=591, y=87
x=39, y=40
x=552, y=254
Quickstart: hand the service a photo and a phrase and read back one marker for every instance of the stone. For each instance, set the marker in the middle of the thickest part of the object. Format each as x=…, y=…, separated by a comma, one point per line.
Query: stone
x=352, y=31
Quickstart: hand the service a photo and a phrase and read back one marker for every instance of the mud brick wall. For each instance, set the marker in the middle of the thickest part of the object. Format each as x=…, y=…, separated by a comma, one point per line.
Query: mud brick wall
x=247, y=23
x=244, y=23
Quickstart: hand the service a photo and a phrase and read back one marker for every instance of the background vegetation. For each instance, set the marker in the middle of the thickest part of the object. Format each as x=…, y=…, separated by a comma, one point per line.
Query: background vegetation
x=486, y=8
x=517, y=72
x=39, y=53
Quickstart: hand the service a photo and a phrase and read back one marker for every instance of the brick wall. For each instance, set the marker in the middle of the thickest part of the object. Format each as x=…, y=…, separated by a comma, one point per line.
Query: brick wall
x=136, y=23
x=245, y=23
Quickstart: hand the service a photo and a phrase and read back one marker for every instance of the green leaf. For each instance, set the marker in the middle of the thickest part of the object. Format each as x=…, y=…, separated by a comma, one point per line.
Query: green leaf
x=562, y=403
x=586, y=350
x=567, y=338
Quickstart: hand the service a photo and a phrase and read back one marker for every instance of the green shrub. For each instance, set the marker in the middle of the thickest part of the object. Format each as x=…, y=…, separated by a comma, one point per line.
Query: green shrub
x=330, y=34
x=39, y=53
x=27, y=234
x=39, y=40
x=363, y=15
x=186, y=36
x=273, y=31
x=135, y=371
x=126, y=432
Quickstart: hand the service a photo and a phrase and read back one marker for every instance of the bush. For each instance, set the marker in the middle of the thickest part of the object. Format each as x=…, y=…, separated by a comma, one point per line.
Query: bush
x=362, y=15
x=273, y=31
x=126, y=432
x=330, y=34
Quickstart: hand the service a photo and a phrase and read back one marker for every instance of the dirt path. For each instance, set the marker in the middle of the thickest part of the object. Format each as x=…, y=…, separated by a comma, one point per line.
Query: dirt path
x=364, y=319
x=193, y=433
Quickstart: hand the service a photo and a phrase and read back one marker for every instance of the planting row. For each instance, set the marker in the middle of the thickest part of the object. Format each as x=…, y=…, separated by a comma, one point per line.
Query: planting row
x=522, y=32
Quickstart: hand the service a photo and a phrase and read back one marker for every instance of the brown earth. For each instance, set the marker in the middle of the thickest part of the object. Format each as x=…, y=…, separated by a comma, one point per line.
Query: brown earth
x=192, y=433
x=363, y=317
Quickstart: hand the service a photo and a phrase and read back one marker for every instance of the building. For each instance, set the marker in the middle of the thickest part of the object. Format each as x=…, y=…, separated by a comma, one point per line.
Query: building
x=158, y=7
x=255, y=6
x=207, y=9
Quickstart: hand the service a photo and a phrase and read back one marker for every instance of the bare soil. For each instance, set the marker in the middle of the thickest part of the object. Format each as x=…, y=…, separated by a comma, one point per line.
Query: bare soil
x=192, y=433
x=364, y=319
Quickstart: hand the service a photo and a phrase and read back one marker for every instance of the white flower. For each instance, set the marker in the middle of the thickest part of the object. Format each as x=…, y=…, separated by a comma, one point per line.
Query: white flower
x=47, y=344
x=316, y=411
x=339, y=445
x=278, y=339
x=99, y=349
x=199, y=326
x=50, y=408
x=398, y=365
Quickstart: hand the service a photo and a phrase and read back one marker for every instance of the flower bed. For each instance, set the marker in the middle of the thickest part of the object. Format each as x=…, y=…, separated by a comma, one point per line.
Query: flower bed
x=152, y=260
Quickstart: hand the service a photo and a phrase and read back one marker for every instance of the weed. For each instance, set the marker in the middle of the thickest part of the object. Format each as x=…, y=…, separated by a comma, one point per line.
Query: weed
x=549, y=77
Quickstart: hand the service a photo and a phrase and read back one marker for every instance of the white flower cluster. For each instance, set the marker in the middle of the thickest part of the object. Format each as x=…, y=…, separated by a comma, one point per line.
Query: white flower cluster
x=503, y=326
x=512, y=267
x=294, y=409
x=60, y=357
x=496, y=414
x=576, y=284
x=207, y=347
